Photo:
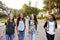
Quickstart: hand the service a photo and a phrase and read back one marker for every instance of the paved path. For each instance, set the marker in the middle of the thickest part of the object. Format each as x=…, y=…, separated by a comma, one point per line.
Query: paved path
x=40, y=35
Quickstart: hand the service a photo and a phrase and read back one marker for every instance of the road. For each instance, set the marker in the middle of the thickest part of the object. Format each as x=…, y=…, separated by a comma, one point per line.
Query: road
x=40, y=35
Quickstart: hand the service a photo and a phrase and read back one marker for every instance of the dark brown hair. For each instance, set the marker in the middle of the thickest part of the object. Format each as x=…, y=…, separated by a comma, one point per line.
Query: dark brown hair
x=54, y=19
x=18, y=19
x=35, y=20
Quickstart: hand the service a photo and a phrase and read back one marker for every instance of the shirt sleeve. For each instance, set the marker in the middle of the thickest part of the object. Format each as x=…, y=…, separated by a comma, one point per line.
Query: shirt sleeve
x=14, y=24
x=56, y=25
x=45, y=25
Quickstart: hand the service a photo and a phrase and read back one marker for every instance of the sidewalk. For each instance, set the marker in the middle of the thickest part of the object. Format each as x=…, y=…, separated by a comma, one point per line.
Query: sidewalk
x=40, y=35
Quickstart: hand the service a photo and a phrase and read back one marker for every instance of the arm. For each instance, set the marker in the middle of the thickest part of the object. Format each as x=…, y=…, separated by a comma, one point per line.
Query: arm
x=5, y=27
x=24, y=26
x=36, y=26
x=45, y=26
x=55, y=26
x=16, y=28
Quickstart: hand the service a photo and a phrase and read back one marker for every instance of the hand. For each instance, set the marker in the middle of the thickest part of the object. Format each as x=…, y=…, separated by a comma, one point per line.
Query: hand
x=46, y=29
x=14, y=35
x=54, y=30
x=18, y=33
x=1, y=36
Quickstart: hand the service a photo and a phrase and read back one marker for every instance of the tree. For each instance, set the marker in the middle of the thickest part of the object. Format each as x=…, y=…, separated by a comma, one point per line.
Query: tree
x=2, y=5
x=27, y=10
x=51, y=4
x=15, y=12
x=58, y=6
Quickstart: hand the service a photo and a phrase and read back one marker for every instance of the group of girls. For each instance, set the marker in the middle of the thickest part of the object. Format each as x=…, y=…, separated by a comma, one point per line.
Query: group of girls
x=19, y=27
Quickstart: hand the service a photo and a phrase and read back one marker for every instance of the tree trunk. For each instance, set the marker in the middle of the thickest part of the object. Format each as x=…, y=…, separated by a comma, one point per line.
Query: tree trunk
x=59, y=12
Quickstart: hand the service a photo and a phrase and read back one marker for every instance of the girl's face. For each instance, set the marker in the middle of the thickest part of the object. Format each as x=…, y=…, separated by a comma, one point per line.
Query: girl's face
x=32, y=16
x=50, y=17
x=11, y=16
x=21, y=15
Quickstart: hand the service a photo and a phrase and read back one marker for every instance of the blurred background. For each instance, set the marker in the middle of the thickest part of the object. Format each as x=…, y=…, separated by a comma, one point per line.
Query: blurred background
x=42, y=8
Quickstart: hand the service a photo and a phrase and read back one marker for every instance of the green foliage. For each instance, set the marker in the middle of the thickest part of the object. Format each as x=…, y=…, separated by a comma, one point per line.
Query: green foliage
x=58, y=18
x=0, y=2
x=15, y=12
x=2, y=15
x=53, y=4
x=27, y=10
x=47, y=4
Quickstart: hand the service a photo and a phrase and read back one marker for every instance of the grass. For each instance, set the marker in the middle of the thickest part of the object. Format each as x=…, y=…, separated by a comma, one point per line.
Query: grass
x=3, y=19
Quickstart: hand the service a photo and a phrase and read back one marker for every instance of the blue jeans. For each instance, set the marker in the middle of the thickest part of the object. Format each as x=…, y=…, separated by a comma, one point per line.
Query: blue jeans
x=32, y=35
x=21, y=35
x=10, y=37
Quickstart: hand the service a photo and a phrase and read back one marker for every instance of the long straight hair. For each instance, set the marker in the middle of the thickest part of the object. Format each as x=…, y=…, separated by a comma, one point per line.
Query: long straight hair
x=35, y=20
x=54, y=19
x=8, y=20
x=18, y=19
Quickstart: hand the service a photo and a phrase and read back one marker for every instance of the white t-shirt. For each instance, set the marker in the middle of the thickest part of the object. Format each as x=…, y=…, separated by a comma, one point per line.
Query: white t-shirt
x=21, y=26
x=51, y=28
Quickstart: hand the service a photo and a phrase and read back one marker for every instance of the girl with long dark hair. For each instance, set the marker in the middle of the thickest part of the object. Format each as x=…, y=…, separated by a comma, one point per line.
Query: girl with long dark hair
x=20, y=25
x=10, y=27
x=50, y=27
x=32, y=26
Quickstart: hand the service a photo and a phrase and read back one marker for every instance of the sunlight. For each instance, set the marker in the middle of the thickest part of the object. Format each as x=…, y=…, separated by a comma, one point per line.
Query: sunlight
x=17, y=4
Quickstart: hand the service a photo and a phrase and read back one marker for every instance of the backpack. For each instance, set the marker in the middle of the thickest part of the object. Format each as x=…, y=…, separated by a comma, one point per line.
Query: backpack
x=48, y=23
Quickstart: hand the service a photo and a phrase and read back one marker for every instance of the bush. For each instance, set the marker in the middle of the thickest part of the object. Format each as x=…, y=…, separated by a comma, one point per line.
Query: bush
x=58, y=18
x=42, y=17
x=45, y=17
x=28, y=10
x=39, y=17
x=2, y=15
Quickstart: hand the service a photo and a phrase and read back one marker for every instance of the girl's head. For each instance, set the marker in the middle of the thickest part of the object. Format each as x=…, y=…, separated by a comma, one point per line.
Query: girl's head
x=51, y=17
x=20, y=17
x=10, y=17
x=33, y=17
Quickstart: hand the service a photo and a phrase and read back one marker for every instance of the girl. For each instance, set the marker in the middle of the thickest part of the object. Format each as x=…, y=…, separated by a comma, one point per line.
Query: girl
x=50, y=27
x=10, y=27
x=20, y=26
x=32, y=26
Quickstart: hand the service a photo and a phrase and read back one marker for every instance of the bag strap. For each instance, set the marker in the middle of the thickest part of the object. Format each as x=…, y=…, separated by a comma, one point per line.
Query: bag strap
x=49, y=25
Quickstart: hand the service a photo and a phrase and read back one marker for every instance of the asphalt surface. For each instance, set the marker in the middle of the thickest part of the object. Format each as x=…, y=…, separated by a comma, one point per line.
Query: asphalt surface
x=40, y=34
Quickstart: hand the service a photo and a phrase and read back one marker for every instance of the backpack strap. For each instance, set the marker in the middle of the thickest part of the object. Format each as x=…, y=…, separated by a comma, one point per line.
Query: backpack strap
x=48, y=23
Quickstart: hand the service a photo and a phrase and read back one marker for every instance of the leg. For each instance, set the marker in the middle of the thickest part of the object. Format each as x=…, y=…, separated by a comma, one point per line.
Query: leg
x=30, y=35
x=7, y=37
x=11, y=36
x=22, y=35
x=52, y=37
x=33, y=36
x=48, y=36
x=19, y=36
